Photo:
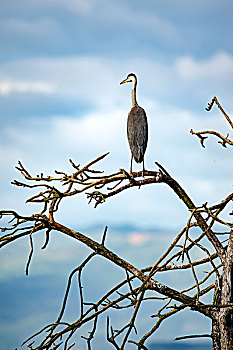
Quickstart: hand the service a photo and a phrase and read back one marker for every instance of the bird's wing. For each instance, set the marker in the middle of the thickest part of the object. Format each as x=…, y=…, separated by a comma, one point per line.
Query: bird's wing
x=137, y=130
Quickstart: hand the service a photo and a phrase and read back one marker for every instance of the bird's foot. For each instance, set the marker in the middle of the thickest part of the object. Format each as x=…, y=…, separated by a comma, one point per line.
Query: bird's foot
x=129, y=176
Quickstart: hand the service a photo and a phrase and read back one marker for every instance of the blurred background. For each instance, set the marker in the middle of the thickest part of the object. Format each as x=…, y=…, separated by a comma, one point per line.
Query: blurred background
x=61, y=63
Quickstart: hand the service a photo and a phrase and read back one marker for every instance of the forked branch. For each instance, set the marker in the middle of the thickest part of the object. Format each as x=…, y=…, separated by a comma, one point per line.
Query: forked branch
x=132, y=292
x=224, y=140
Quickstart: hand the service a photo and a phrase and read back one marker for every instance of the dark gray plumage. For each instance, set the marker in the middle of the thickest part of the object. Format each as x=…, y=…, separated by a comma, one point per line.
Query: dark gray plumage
x=137, y=127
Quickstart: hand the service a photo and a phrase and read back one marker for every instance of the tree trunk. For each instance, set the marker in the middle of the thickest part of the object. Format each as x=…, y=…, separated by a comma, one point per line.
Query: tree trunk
x=225, y=315
x=216, y=336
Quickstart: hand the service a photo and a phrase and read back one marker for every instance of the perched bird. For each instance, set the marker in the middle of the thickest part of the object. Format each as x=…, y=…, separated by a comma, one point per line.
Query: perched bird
x=137, y=128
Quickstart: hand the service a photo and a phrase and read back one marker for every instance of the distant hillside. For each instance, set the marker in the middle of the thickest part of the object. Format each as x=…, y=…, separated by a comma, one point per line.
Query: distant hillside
x=28, y=303
x=180, y=346
x=124, y=228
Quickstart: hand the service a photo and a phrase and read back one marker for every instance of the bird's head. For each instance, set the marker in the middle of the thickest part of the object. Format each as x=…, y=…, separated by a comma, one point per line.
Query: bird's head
x=131, y=77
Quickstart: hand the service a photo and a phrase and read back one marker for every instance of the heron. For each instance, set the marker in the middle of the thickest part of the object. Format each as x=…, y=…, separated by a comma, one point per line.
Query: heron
x=137, y=127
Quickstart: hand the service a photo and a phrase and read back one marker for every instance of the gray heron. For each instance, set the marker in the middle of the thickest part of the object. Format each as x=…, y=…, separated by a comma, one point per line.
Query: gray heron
x=137, y=127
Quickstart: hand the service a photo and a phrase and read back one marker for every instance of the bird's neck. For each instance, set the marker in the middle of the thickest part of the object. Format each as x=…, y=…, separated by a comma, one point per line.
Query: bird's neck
x=134, y=101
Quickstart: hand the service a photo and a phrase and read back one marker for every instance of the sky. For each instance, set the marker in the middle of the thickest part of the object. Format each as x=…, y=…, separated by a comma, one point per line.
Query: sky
x=60, y=67
x=61, y=63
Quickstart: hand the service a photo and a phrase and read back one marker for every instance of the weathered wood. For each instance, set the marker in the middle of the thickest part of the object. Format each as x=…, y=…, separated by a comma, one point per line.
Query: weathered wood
x=226, y=314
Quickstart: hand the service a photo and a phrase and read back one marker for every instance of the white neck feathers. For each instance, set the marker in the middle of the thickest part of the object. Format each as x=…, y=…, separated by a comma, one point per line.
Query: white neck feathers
x=134, y=100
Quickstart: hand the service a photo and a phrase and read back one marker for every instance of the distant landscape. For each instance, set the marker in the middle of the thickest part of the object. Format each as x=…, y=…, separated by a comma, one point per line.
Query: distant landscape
x=28, y=303
x=180, y=346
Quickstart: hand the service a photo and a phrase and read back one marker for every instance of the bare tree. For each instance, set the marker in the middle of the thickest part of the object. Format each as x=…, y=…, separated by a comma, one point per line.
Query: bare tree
x=140, y=285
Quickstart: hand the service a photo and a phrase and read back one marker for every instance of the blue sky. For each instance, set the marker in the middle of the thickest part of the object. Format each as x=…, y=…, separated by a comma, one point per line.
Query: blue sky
x=60, y=68
x=61, y=63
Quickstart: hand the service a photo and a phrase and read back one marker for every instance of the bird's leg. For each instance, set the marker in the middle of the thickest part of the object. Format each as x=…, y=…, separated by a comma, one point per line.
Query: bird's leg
x=143, y=168
x=131, y=164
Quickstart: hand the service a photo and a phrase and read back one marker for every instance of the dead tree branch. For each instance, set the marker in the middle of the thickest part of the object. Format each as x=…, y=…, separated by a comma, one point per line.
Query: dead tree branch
x=198, y=238
x=224, y=140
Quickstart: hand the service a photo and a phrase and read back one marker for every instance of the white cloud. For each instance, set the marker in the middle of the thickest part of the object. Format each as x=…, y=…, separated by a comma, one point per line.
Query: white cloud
x=95, y=80
x=206, y=186
x=218, y=67
x=124, y=16
x=34, y=32
x=90, y=79
x=80, y=7
x=8, y=87
x=95, y=131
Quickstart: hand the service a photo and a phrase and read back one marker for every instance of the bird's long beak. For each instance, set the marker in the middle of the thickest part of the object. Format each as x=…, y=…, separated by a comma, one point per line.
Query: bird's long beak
x=124, y=81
